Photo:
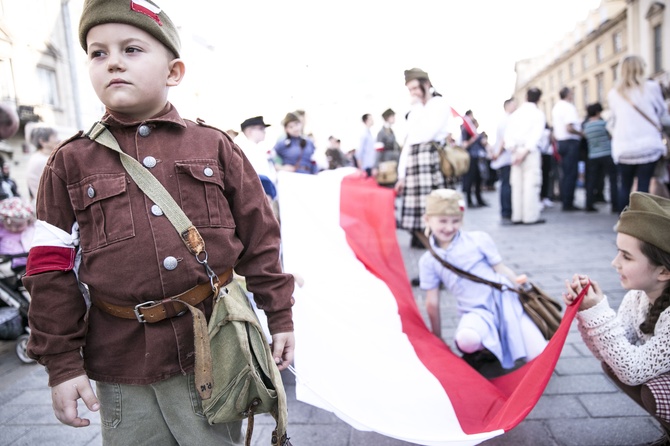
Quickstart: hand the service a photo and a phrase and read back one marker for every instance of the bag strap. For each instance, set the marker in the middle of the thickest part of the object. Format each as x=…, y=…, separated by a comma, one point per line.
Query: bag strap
x=152, y=188
x=644, y=115
x=497, y=285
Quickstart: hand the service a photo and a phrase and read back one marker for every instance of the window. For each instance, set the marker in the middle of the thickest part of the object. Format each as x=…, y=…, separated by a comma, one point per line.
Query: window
x=617, y=42
x=615, y=72
x=599, y=53
x=48, y=86
x=571, y=70
x=600, y=87
x=585, y=93
x=560, y=78
x=551, y=83
x=6, y=85
x=585, y=62
x=658, y=47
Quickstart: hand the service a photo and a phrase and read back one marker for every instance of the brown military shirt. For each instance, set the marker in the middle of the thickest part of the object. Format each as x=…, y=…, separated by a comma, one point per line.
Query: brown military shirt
x=131, y=253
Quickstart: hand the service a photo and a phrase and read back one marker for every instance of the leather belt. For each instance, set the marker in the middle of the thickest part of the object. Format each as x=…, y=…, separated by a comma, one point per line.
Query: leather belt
x=155, y=311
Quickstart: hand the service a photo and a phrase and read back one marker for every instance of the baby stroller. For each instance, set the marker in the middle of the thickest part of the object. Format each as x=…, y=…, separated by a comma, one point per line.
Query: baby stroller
x=15, y=302
x=16, y=230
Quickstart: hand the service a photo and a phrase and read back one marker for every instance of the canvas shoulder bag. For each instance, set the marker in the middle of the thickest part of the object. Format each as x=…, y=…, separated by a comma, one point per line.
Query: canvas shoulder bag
x=454, y=160
x=236, y=376
x=544, y=311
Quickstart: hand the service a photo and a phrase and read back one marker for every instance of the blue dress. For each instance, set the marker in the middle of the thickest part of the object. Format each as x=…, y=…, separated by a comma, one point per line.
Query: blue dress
x=494, y=314
x=297, y=152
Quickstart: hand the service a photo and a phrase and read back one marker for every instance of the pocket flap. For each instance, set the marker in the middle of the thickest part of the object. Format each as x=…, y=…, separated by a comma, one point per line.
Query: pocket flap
x=95, y=188
x=206, y=171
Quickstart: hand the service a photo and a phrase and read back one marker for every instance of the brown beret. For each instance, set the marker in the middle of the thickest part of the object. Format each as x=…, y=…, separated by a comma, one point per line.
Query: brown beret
x=142, y=14
x=290, y=117
x=647, y=218
x=445, y=202
x=415, y=73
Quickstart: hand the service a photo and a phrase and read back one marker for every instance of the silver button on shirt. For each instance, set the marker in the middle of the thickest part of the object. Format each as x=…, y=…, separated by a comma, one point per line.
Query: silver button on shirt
x=156, y=210
x=149, y=162
x=208, y=172
x=170, y=263
x=90, y=192
x=144, y=131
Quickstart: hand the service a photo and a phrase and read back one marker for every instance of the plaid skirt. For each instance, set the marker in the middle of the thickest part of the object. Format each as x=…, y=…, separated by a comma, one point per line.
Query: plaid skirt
x=423, y=175
x=660, y=388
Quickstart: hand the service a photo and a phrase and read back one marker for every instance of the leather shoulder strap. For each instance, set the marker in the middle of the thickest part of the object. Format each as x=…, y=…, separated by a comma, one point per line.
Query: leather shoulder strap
x=424, y=240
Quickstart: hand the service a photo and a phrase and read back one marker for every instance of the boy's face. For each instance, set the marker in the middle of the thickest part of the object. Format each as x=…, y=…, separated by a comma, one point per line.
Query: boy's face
x=444, y=227
x=130, y=69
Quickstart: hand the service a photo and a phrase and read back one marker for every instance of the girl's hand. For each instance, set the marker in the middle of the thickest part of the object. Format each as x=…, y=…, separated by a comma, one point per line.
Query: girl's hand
x=579, y=281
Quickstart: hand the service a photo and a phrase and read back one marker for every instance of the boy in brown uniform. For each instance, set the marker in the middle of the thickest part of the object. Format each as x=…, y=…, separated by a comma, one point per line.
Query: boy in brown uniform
x=130, y=252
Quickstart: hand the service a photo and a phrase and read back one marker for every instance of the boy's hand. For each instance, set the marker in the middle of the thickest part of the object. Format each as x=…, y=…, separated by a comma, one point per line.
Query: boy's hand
x=283, y=346
x=65, y=395
x=593, y=296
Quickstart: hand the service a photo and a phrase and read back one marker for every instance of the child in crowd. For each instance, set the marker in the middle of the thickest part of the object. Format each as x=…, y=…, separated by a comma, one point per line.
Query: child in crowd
x=132, y=259
x=491, y=320
x=16, y=229
x=633, y=343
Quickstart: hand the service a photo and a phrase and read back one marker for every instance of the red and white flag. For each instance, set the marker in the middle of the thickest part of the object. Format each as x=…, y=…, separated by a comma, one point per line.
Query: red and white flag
x=363, y=350
x=467, y=122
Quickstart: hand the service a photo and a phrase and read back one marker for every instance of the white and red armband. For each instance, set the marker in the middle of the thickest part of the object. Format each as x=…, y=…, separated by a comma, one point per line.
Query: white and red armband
x=52, y=249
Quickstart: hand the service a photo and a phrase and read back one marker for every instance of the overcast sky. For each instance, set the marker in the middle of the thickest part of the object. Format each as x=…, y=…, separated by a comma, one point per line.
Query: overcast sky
x=338, y=60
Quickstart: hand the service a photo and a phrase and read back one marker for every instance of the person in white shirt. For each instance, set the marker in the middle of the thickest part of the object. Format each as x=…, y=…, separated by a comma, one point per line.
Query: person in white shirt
x=250, y=141
x=419, y=165
x=567, y=131
x=638, y=112
x=501, y=160
x=524, y=131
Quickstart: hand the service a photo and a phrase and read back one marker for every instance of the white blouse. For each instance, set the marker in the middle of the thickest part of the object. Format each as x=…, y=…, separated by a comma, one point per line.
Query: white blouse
x=616, y=339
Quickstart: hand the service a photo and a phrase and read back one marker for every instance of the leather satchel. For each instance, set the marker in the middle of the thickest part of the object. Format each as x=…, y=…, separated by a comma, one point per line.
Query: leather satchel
x=454, y=161
x=544, y=311
x=235, y=374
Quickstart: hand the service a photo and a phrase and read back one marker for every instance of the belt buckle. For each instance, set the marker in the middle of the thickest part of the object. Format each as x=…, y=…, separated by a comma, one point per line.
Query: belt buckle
x=138, y=307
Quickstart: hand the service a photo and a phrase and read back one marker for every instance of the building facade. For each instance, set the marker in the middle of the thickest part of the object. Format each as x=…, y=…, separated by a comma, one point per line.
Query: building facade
x=37, y=72
x=586, y=60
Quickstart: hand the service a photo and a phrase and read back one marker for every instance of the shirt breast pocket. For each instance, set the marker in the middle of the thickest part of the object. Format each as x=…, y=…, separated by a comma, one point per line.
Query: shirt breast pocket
x=102, y=207
x=201, y=193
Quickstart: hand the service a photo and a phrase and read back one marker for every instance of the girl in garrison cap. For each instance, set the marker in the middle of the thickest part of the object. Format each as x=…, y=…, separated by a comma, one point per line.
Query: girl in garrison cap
x=633, y=343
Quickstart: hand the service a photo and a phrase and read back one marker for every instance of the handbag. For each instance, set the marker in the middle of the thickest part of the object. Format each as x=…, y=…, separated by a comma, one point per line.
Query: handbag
x=454, y=160
x=235, y=374
x=387, y=173
x=544, y=311
x=663, y=127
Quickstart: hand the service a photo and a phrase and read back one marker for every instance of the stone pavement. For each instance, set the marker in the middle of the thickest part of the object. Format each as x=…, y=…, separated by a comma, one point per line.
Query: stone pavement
x=580, y=406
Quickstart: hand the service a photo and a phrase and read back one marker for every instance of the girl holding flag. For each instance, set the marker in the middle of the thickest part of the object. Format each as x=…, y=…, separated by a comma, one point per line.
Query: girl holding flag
x=633, y=342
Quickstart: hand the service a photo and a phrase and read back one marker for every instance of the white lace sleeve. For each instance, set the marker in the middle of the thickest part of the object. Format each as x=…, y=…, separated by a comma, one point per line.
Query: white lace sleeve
x=616, y=339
